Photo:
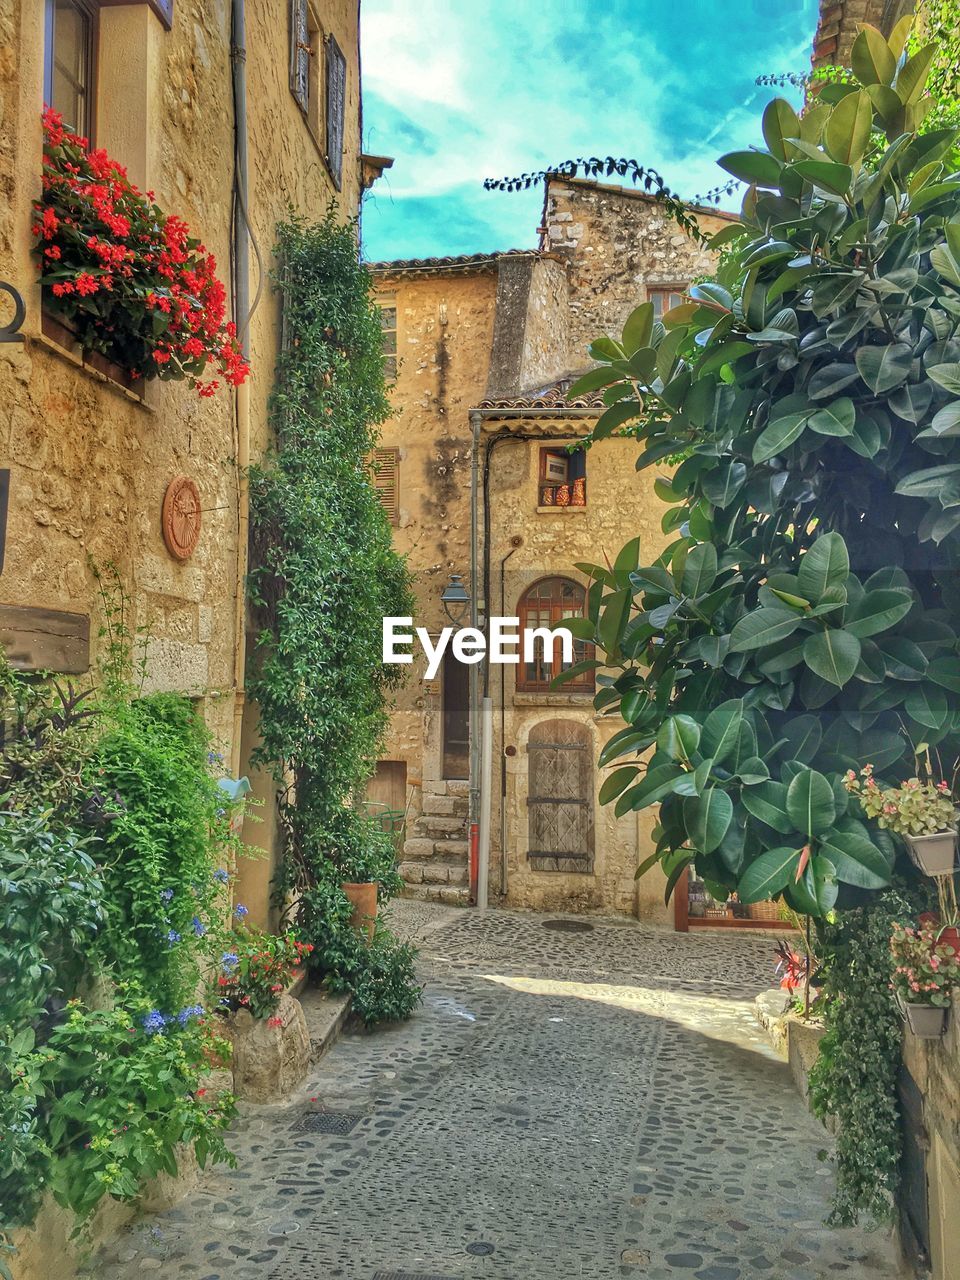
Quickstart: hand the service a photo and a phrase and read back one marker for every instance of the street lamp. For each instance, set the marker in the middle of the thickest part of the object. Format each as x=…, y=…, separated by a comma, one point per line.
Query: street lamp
x=455, y=598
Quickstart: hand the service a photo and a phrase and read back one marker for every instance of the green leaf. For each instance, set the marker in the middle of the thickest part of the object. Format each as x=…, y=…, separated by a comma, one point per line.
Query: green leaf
x=835, y=419
x=946, y=673
x=753, y=771
x=810, y=802
x=707, y=818
x=929, y=482
x=826, y=564
x=768, y=803
x=857, y=859
x=615, y=782
x=753, y=167
x=614, y=417
x=882, y=368
x=699, y=570
x=768, y=875
x=877, y=611
x=657, y=783
x=679, y=737
x=638, y=329
x=779, y=435
x=780, y=123
x=871, y=59
x=722, y=485
x=835, y=178
x=912, y=76
x=592, y=381
x=847, y=133
x=833, y=655
x=721, y=729
x=946, y=376
x=927, y=706
x=763, y=627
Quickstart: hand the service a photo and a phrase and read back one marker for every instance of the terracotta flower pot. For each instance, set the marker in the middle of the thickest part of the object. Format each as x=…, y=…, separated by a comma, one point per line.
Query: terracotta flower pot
x=926, y=1021
x=364, y=899
x=949, y=936
x=934, y=854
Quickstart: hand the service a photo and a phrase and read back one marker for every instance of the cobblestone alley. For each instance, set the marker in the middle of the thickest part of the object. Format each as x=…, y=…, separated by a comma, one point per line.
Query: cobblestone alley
x=565, y=1106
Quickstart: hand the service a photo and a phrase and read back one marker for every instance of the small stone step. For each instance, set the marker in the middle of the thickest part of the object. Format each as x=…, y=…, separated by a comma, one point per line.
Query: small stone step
x=429, y=825
x=458, y=788
x=439, y=806
x=450, y=895
x=418, y=850
x=434, y=872
x=451, y=848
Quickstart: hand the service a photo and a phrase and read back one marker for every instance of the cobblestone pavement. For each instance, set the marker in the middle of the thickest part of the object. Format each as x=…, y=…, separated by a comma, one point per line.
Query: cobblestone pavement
x=566, y=1106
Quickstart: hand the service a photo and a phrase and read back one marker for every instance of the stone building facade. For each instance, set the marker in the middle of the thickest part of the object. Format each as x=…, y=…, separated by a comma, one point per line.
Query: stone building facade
x=86, y=461
x=486, y=348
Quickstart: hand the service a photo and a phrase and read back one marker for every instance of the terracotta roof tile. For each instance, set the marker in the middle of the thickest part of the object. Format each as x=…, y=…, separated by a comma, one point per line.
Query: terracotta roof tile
x=551, y=396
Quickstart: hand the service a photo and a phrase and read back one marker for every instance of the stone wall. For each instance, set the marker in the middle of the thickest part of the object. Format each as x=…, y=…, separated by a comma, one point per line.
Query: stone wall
x=935, y=1066
x=615, y=243
x=89, y=461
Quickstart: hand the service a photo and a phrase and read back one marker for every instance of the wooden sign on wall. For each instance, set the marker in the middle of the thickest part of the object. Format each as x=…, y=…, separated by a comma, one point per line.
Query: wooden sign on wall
x=45, y=639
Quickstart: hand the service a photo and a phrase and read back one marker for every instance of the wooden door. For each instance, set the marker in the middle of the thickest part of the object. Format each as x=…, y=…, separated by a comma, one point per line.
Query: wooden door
x=560, y=797
x=456, y=718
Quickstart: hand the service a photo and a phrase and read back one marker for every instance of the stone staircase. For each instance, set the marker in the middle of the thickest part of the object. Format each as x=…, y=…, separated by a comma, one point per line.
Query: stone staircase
x=436, y=857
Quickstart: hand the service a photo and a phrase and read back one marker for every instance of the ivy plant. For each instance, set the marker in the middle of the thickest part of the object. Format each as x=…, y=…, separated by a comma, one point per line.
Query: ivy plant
x=800, y=621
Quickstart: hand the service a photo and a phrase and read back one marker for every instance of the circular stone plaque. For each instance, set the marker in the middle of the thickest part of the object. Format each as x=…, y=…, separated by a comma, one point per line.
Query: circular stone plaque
x=180, y=518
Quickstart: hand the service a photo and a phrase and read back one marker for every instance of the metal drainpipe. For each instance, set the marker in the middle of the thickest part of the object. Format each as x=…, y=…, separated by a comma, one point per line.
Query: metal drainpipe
x=241, y=309
x=503, y=730
x=476, y=422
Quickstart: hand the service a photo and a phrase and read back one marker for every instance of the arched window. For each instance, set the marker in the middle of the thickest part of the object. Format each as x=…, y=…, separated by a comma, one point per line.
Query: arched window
x=545, y=604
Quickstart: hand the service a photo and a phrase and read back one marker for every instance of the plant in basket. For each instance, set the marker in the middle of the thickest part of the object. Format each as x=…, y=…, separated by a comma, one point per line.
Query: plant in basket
x=925, y=976
x=127, y=279
x=257, y=970
x=921, y=811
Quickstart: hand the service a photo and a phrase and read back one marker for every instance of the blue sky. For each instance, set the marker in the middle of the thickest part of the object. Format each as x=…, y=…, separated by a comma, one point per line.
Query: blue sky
x=461, y=90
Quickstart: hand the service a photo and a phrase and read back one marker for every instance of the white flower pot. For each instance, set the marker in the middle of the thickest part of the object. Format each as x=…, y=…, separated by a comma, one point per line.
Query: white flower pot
x=926, y=1021
x=935, y=854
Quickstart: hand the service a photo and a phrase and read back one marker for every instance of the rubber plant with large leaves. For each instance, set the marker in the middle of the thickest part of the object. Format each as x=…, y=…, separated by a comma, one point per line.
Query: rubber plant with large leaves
x=800, y=622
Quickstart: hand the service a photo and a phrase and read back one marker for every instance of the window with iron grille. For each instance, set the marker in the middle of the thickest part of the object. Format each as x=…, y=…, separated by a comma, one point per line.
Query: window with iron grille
x=664, y=297
x=546, y=604
x=388, y=323
x=385, y=471
x=70, y=62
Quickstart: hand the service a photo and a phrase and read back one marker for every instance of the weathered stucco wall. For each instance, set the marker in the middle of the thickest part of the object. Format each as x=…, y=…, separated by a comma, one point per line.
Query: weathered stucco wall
x=935, y=1066
x=615, y=243
x=89, y=462
x=620, y=505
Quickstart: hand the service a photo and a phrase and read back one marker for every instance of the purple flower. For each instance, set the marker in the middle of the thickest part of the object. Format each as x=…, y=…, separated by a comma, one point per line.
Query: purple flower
x=172, y=937
x=198, y=926
x=221, y=876
x=167, y=895
x=241, y=911
x=229, y=960
x=191, y=1011
x=154, y=1022
x=214, y=757
x=221, y=812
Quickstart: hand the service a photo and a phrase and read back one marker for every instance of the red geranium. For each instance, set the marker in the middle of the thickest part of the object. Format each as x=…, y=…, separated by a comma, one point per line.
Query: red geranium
x=126, y=277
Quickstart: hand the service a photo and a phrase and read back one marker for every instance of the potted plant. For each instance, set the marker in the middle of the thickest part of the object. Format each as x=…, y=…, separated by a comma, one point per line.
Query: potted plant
x=923, y=813
x=264, y=1022
x=365, y=856
x=924, y=977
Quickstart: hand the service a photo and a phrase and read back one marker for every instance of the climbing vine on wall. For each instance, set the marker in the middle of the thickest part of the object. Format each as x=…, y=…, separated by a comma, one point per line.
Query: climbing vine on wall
x=325, y=573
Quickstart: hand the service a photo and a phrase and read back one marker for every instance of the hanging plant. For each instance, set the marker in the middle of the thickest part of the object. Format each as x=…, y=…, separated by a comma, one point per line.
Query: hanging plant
x=127, y=279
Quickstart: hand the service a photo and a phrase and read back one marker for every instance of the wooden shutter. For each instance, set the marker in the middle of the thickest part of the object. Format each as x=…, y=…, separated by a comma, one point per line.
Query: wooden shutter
x=386, y=481
x=300, y=54
x=336, y=107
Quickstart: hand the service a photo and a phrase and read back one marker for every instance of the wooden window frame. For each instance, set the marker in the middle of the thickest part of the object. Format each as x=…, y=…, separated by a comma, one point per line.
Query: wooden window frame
x=388, y=302
x=664, y=292
x=576, y=469
x=389, y=494
x=163, y=9
x=91, y=11
x=583, y=683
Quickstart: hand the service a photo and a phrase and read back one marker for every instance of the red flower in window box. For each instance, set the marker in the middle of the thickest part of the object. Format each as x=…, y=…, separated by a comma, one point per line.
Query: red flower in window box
x=126, y=278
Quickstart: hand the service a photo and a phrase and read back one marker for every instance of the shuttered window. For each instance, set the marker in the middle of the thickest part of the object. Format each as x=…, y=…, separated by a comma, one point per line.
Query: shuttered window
x=300, y=53
x=385, y=469
x=336, y=108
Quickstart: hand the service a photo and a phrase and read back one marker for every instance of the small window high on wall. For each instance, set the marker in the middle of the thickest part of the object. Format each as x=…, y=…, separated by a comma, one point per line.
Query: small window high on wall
x=664, y=298
x=70, y=62
x=388, y=324
x=546, y=604
x=562, y=478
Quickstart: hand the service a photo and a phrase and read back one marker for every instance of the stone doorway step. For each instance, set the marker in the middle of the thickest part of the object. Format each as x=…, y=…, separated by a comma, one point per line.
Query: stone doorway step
x=435, y=863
